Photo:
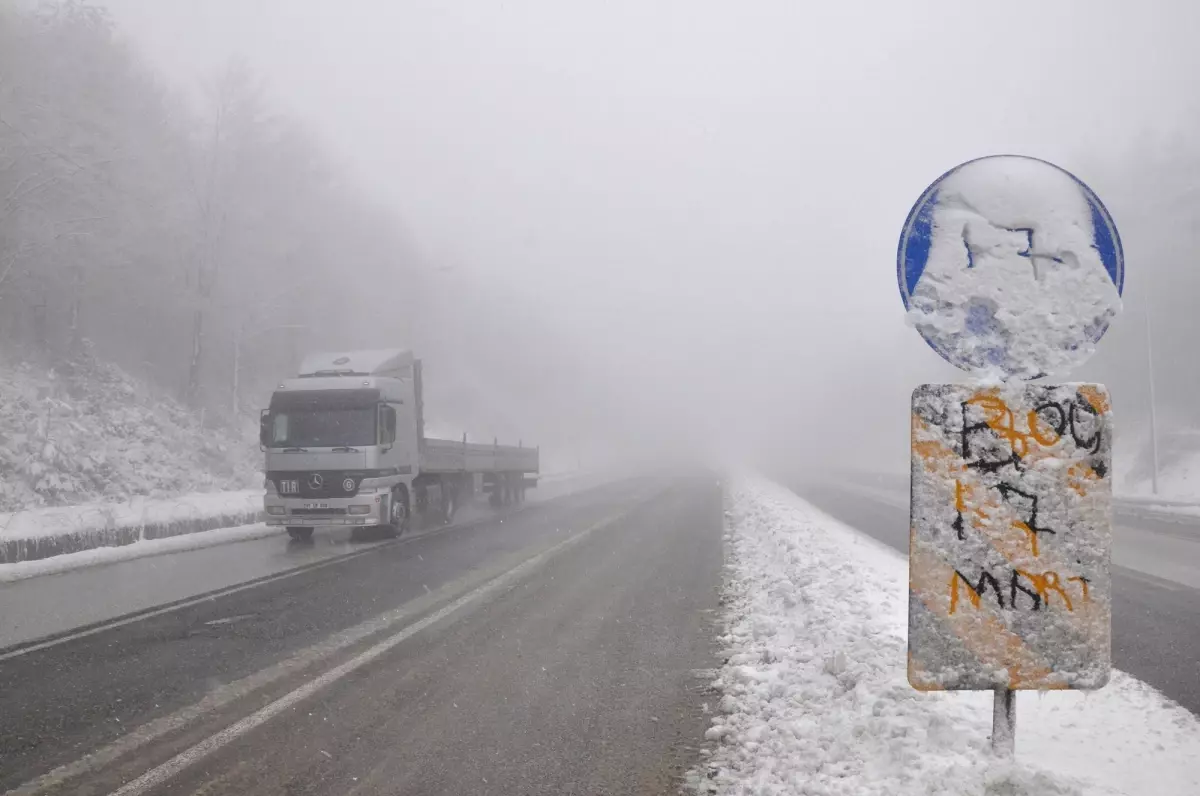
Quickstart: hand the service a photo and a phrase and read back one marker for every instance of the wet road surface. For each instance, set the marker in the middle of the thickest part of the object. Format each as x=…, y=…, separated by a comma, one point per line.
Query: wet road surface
x=563, y=650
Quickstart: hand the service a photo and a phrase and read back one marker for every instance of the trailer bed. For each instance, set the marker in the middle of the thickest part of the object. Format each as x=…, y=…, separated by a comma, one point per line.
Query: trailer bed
x=452, y=456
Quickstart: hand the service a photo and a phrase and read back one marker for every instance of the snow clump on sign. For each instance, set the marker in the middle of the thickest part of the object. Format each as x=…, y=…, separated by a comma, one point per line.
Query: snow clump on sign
x=1015, y=284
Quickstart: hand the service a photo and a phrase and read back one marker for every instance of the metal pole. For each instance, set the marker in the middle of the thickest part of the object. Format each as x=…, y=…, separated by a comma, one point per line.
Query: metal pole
x=1153, y=412
x=1004, y=722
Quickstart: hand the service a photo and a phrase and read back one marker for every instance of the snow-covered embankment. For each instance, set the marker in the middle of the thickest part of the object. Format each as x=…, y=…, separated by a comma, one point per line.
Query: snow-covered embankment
x=814, y=697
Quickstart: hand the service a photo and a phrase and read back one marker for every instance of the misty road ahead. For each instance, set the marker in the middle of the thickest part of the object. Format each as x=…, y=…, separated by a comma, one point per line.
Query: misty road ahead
x=1156, y=584
x=562, y=648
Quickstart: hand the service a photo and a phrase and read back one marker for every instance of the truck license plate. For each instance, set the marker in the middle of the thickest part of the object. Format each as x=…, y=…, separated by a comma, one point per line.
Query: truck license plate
x=316, y=505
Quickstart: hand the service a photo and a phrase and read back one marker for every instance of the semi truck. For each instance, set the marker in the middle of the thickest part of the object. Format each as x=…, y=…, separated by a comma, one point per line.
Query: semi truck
x=345, y=445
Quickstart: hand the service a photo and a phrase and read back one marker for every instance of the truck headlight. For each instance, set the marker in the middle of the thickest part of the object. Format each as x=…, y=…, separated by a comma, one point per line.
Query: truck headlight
x=276, y=510
x=358, y=510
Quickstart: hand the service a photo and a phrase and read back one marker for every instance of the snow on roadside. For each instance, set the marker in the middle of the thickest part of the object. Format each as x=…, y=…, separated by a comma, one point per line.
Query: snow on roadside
x=136, y=512
x=141, y=549
x=815, y=699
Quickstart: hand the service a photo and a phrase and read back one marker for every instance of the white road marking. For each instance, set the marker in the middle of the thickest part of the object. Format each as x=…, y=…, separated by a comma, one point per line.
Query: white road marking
x=160, y=774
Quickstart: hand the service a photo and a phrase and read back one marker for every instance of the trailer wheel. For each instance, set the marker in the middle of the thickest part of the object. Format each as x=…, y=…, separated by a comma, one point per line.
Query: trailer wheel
x=300, y=533
x=399, y=515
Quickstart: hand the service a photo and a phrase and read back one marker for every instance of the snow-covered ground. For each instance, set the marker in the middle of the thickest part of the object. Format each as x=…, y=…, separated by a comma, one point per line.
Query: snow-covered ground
x=814, y=697
x=86, y=431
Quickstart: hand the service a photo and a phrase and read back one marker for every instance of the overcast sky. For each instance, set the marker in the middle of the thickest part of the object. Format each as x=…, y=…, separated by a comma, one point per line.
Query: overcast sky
x=701, y=197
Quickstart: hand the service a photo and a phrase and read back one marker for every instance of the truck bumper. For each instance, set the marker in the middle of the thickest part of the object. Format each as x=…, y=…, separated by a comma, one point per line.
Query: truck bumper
x=363, y=509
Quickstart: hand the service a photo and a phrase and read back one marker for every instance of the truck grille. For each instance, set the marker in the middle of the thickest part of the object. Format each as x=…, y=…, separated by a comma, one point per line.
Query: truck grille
x=317, y=483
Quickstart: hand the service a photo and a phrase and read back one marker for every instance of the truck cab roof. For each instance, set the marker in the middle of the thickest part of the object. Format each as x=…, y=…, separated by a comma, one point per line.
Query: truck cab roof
x=383, y=362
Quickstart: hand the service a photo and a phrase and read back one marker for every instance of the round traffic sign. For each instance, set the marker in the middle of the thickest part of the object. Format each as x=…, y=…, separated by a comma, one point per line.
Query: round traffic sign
x=1010, y=267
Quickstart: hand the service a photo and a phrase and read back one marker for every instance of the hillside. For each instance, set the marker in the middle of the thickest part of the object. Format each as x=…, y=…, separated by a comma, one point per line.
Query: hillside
x=80, y=431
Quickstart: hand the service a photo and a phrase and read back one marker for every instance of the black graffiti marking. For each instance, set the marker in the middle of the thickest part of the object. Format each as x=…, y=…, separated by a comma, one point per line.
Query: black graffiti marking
x=1060, y=425
x=980, y=588
x=1007, y=491
x=993, y=451
x=957, y=525
x=1092, y=443
x=1037, y=587
x=982, y=464
x=1015, y=586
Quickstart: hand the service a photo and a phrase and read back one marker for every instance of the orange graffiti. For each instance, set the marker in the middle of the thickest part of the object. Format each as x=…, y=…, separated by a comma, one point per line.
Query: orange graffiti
x=1096, y=398
x=1080, y=476
x=1035, y=423
x=965, y=501
x=972, y=595
x=1001, y=419
x=1084, y=583
x=984, y=635
x=1045, y=583
x=1033, y=542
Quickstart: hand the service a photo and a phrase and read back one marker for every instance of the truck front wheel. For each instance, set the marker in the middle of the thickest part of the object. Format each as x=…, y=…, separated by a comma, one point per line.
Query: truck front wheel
x=398, y=513
x=300, y=534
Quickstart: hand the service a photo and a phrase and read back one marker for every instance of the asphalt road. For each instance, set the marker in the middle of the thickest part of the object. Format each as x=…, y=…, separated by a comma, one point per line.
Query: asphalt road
x=1156, y=619
x=563, y=649
x=37, y=607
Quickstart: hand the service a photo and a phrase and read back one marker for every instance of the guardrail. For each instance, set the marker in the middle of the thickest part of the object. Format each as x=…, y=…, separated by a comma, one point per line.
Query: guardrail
x=1156, y=500
x=47, y=532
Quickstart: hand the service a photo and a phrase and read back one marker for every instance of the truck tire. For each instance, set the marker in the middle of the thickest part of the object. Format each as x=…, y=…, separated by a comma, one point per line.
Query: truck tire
x=300, y=533
x=449, y=501
x=399, y=515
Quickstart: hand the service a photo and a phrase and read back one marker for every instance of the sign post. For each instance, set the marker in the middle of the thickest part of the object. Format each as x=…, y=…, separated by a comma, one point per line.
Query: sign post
x=1011, y=269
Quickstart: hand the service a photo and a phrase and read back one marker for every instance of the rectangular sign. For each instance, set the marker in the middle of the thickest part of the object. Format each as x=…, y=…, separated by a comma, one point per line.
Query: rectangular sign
x=1010, y=537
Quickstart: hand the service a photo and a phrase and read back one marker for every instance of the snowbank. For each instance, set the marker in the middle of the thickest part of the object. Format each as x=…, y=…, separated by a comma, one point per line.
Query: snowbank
x=47, y=532
x=815, y=700
x=140, y=548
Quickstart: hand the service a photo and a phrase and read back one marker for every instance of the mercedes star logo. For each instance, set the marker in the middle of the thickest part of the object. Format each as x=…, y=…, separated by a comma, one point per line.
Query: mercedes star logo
x=315, y=481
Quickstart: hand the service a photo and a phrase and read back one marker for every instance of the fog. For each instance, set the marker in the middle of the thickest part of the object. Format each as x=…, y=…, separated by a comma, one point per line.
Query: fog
x=670, y=227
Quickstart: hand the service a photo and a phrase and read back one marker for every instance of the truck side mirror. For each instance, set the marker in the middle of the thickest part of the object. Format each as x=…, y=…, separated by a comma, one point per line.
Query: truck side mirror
x=264, y=429
x=391, y=423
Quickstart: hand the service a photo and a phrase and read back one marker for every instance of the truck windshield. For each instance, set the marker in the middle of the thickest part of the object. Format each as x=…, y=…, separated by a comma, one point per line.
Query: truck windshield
x=323, y=428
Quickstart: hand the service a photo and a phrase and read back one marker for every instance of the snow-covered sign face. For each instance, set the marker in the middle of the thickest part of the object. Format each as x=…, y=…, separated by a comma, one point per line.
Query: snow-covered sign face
x=1010, y=267
x=1010, y=541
